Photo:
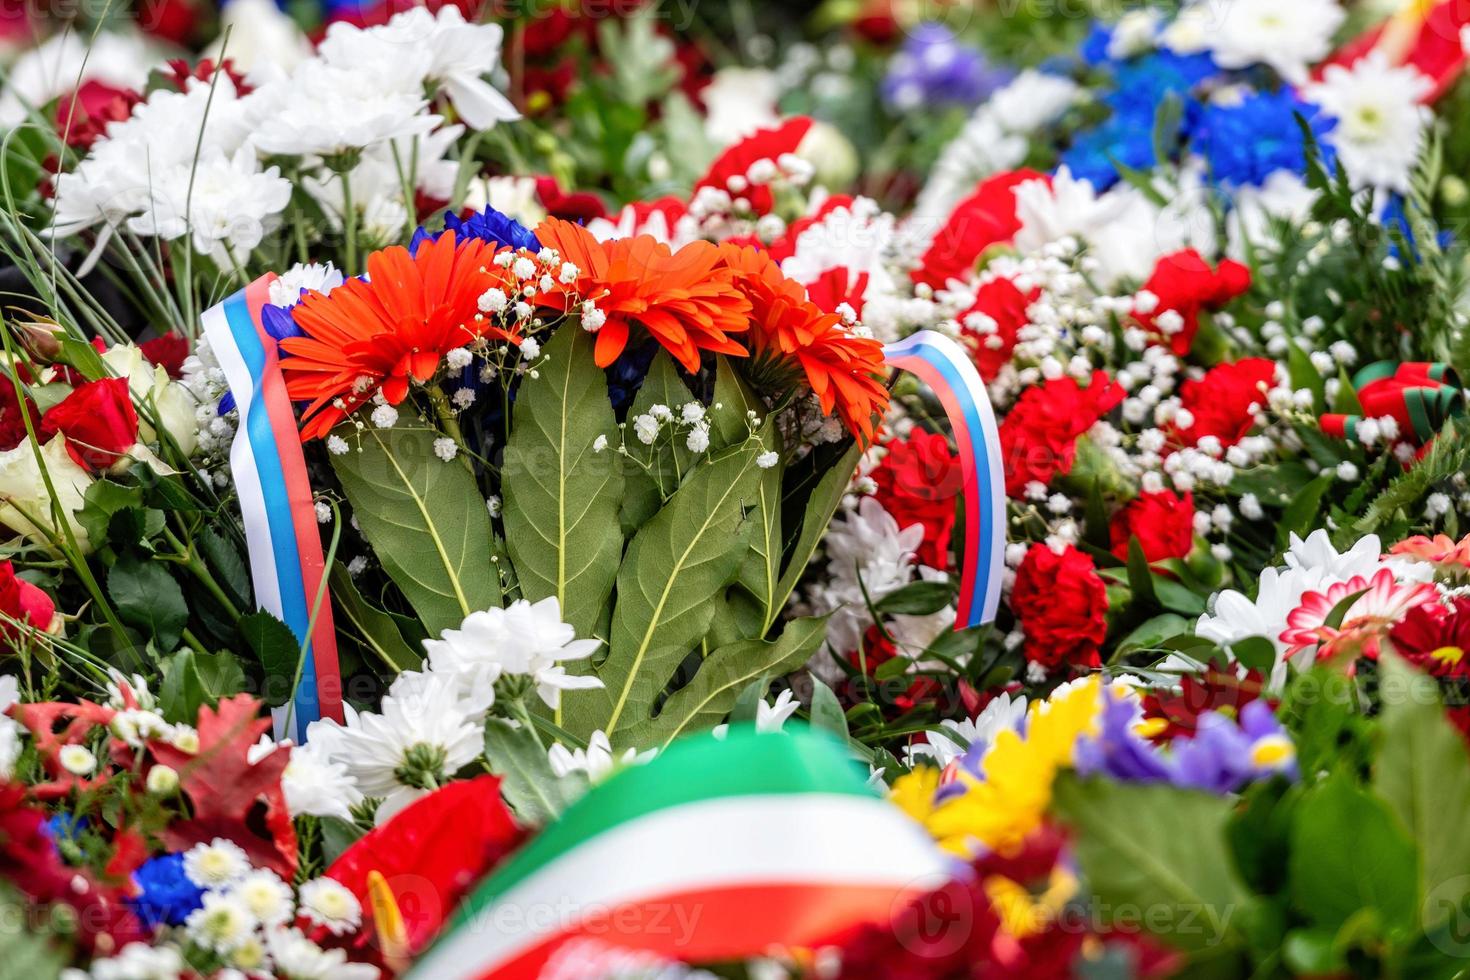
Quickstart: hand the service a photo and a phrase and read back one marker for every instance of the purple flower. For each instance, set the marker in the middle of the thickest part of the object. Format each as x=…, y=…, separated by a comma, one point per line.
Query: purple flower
x=934, y=68
x=1118, y=751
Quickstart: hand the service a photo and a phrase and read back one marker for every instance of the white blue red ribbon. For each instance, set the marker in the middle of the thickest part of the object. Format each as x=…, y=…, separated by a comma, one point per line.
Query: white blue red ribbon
x=276, y=503
x=943, y=365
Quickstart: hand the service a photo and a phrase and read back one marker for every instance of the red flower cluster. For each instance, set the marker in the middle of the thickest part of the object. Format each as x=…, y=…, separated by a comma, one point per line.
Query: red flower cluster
x=24, y=603
x=1038, y=439
x=1062, y=605
x=918, y=483
x=1163, y=523
x=98, y=420
x=736, y=161
x=1185, y=284
x=990, y=923
x=1222, y=402
x=1001, y=303
x=985, y=218
x=1178, y=714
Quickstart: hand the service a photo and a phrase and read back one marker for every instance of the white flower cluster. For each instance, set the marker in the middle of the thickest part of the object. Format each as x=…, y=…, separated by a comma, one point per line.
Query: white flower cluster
x=430, y=724
x=356, y=115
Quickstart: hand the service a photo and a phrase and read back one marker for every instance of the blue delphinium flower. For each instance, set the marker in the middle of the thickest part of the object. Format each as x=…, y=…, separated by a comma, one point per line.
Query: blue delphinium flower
x=1222, y=757
x=166, y=896
x=1247, y=141
x=1094, y=156
x=1095, y=47
x=488, y=225
x=933, y=68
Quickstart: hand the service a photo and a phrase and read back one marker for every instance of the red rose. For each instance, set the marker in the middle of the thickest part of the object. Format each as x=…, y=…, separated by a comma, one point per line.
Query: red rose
x=1062, y=606
x=1001, y=303
x=985, y=218
x=1163, y=522
x=23, y=602
x=918, y=482
x=98, y=421
x=1185, y=284
x=432, y=853
x=12, y=422
x=1222, y=401
x=580, y=206
x=1038, y=439
x=167, y=352
x=82, y=117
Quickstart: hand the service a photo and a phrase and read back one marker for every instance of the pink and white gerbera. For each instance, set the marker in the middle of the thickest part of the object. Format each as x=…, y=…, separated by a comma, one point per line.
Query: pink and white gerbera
x=1381, y=602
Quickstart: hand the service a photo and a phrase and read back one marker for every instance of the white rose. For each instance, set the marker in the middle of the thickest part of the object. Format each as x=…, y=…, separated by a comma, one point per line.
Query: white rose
x=172, y=403
x=25, y=504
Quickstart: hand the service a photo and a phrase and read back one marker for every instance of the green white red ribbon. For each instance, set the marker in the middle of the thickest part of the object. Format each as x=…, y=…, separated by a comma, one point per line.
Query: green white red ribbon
x=1420, y=396
x=715, y=850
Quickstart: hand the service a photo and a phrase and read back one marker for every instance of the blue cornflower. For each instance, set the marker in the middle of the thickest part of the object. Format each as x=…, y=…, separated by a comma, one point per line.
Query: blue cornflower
x=166, y=895
x=1092, y=156
x=1095, y=48
x=488, y=225
x=1246, y=142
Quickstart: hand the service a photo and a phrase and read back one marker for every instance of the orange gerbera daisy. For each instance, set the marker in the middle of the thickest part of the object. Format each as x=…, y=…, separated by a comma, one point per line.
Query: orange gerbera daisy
x=367, y=336
x=685, y=299
x=789, y=333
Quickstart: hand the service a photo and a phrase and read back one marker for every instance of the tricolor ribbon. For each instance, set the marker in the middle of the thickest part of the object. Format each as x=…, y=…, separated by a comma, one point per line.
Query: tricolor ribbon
x=1426, y=34
x=944, y=366
x=1419, y=396
x=276, y=503
x=715, y=850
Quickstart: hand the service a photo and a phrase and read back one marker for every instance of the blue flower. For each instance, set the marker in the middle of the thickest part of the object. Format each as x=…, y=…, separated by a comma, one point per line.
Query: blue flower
x=1222, y=757
x=64, y=827
x=1095, y=48
x=1395, y=217
x=1246, y=142
x=166, y=895
x=933, y=68
x=488, y=225
x=1092, y=157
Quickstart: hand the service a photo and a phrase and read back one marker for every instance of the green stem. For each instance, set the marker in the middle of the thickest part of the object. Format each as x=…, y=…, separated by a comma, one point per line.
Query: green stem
x=349, y=223
x=201, y=571
x=445, y=413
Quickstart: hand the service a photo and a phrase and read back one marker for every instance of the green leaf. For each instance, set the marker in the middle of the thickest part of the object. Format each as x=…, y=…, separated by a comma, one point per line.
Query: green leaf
x=192, y=680
x=1272, y=485
x=146, y=596
x=374, y=628
x=1140, y=576
x=1349, y=853
x=738, y=672
x=229, y=568
x=1304, y=373
x=1255, y=653
x=917, y=599
x=337, y=836
x=1423, y=773
x=660, y=466
x=425, y=519
x=277, y=650
x=668, y=587
x=1176, y=597
x=1149, y=634
x=562, y=495
x=817, y=515
x=827, y=711
x=103, y=499
x=528, y=783
x=1159, y=849
x=1300, y=517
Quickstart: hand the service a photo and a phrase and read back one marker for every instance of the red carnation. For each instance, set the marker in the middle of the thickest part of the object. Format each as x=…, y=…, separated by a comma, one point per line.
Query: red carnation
x=764, y=144
x=1038, y=439
x=98, y=421
x=23, y=602
x=1222, y=401
x=918, y=483
x=581, y=206
x=1163, y=523
x=1436, y=638
x=432, y=853
x=1185, y=284
x=83, y=116
x=838, y=287
x=12, y=422
x=167, y=352
x=1062, y=606
x=985, y=218
x=998, y=302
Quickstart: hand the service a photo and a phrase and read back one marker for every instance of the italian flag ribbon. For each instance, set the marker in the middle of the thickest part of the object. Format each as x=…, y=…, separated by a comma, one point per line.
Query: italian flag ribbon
x=1420, y=396
x=714, y=850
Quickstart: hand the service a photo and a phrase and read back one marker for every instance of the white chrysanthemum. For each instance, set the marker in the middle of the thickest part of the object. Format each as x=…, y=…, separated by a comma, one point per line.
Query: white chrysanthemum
x=140, y=961
x=954, y=738
x=68, y=59
x=225, y=203
x=221, y=923
x=325, y=110
x=524, y=639
x=312, y=782
x=315, y=277
x=1380, y=121
x=597, y=760
x=1289, y=37
x=266, y=896
x=327, y=902
x=298, y=957
x=217, y=864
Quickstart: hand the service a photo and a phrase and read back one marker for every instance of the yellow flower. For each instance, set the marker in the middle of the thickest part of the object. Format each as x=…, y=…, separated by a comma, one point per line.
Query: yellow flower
x=1009, y=803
